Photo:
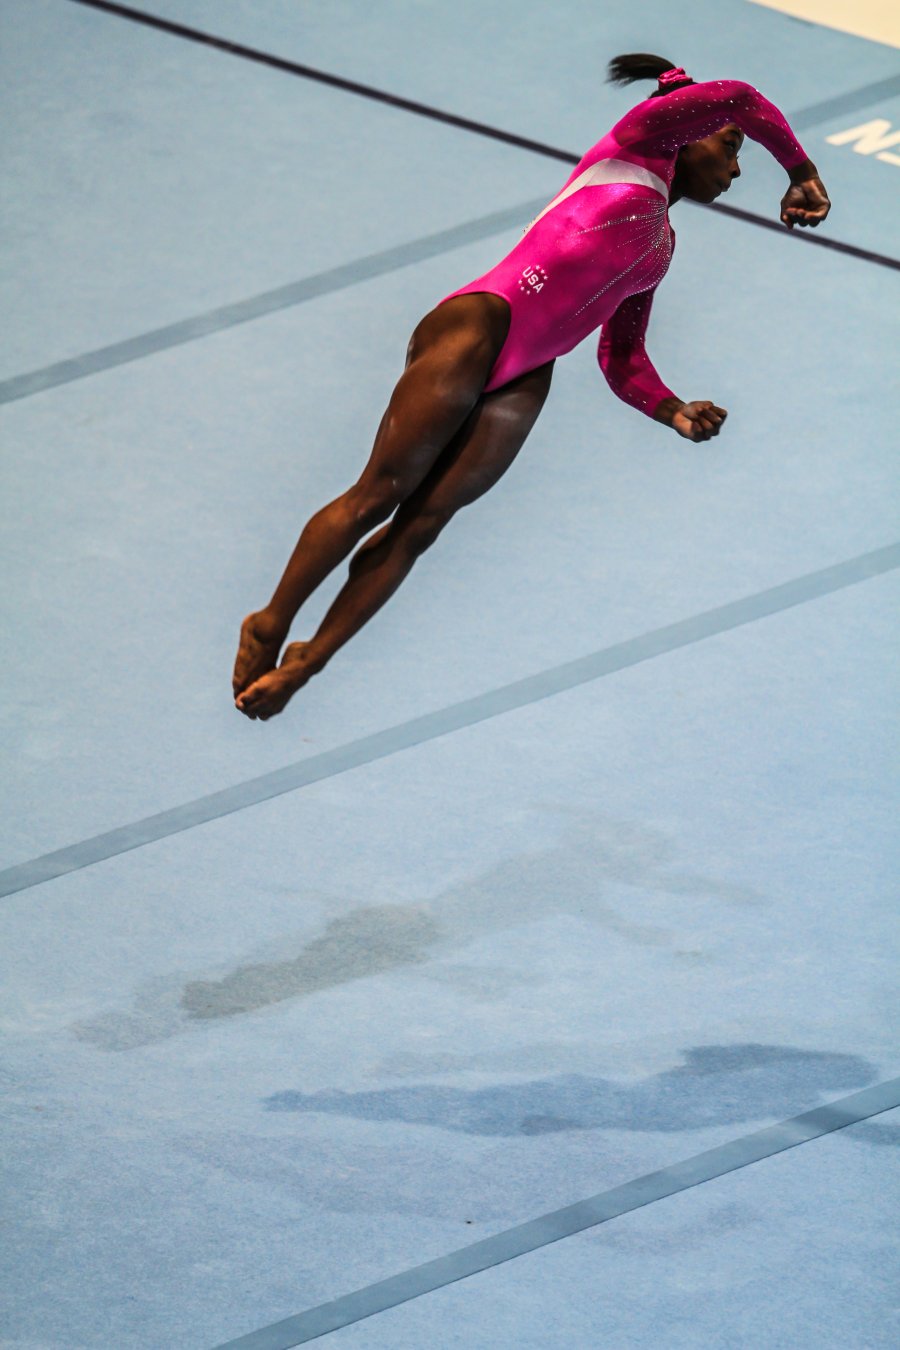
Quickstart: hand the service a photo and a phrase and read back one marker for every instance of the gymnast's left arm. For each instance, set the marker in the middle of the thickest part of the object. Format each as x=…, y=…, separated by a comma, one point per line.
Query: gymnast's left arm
x=660, y=126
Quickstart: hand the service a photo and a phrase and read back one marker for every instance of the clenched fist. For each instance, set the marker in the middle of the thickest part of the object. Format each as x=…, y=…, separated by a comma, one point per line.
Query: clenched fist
x=698, y=421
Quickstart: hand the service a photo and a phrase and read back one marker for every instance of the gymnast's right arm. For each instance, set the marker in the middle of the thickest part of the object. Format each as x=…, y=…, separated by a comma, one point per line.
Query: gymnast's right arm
x=633, y=378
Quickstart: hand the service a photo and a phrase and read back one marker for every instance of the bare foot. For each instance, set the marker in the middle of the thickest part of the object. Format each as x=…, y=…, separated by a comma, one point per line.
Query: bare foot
x=270, y=694
x=258, y=651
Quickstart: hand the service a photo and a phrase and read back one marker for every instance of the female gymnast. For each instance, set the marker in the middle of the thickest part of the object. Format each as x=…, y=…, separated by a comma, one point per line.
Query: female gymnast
x=478, y=366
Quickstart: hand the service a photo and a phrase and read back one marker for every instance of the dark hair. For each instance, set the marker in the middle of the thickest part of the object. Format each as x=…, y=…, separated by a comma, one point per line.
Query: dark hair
x=642, y=66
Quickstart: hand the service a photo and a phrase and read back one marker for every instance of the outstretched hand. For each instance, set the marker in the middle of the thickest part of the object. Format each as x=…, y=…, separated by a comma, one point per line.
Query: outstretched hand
x=805, y=203
x=699, y=421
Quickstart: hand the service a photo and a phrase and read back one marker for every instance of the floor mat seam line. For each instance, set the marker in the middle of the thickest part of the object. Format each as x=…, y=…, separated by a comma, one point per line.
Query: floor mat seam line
x=455, y=717
x=536, y=1234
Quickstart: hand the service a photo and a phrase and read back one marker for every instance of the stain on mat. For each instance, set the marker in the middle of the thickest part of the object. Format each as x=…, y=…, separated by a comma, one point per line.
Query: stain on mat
x=581, y=876
x=362, y=943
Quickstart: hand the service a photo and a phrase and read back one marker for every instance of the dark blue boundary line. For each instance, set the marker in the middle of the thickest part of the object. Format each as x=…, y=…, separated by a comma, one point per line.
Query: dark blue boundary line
x=563, y=1223
x=841, y=102
x=322, y=77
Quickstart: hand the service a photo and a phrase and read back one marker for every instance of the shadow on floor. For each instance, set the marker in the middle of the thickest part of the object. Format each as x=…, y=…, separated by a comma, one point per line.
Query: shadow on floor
x=717, y=1085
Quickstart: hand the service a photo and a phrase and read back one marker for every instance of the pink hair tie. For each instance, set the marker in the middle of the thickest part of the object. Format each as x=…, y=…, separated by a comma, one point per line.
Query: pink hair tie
x=674, y=76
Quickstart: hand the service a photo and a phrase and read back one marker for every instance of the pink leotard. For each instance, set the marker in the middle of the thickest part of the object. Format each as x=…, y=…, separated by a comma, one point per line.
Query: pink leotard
x=597, y=252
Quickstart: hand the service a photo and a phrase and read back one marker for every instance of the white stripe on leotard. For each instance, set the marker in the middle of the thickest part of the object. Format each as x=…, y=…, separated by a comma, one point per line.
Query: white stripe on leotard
x=607, y=171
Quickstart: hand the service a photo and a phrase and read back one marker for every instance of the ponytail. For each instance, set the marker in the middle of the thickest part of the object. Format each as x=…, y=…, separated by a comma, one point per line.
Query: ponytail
x=643, y=66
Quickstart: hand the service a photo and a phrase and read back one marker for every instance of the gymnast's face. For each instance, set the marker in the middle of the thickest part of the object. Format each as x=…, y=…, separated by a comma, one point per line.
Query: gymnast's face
x=705, y=169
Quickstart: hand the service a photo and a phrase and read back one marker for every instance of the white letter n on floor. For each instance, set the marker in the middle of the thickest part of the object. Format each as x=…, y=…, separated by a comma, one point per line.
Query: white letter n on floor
x=872, y=138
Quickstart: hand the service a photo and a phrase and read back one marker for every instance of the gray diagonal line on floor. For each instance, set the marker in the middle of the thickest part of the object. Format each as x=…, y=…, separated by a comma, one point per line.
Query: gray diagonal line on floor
x=851, y=101
x=283, y=297
x=378, y=264
x=453, y=718
x=563, y=1223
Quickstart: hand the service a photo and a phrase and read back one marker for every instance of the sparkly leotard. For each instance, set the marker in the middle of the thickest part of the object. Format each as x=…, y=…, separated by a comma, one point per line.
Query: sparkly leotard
x=597, y=252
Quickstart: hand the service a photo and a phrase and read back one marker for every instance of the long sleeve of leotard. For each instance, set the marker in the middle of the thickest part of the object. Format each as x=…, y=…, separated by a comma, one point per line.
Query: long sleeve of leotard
x=660, y=126
x=623, y=357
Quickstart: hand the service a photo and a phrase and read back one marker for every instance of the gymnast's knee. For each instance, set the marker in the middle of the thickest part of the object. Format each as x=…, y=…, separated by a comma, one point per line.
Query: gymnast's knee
x=422, y=530
x=370, y=506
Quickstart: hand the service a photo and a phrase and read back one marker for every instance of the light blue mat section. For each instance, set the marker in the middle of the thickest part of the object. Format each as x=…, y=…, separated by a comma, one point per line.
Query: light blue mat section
x=606, y=933
x=528, y=1237
x=447, y=720
x=642, y=918
x=712, y=1266
x=270, y=302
